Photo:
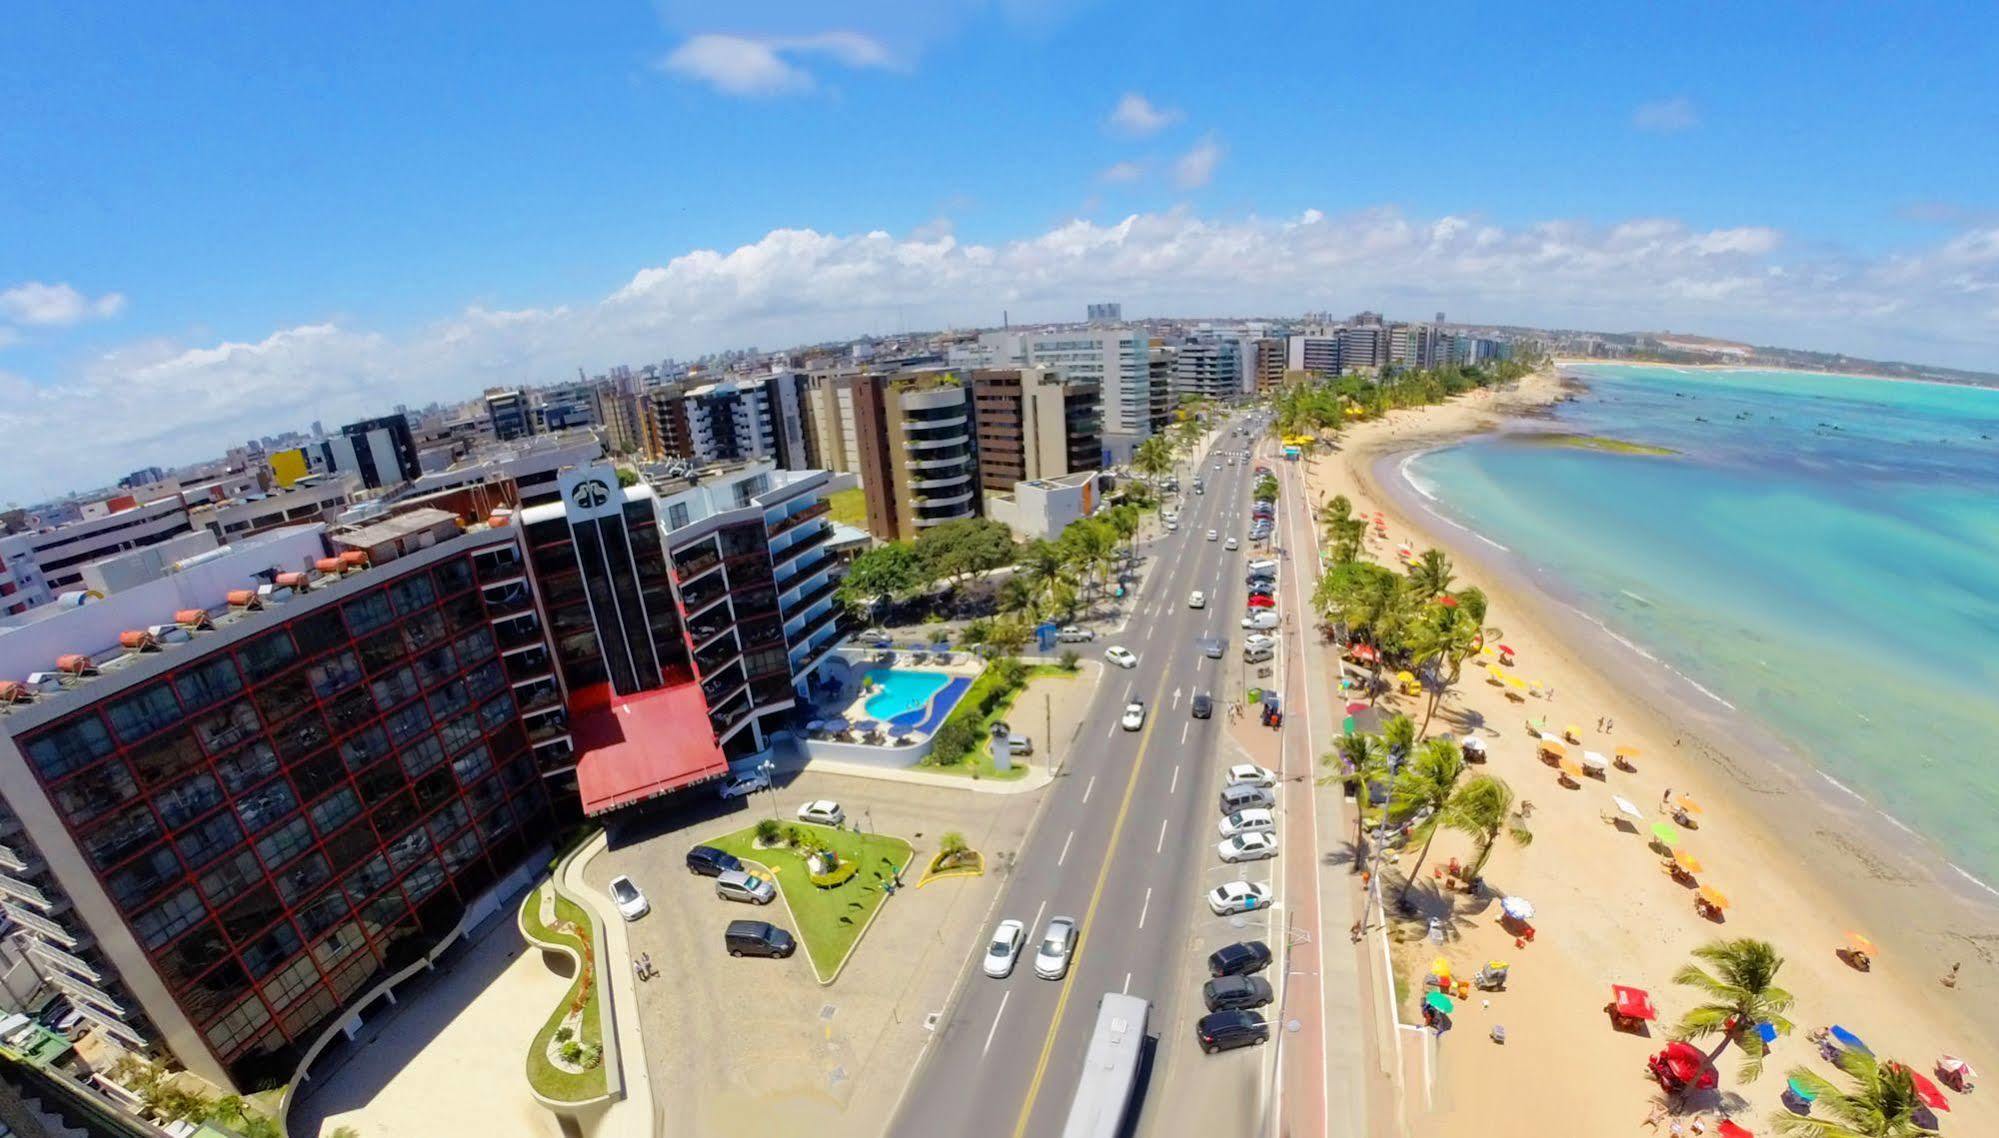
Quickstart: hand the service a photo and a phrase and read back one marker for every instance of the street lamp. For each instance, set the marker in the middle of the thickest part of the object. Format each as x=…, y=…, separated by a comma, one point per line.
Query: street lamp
x=768, y=769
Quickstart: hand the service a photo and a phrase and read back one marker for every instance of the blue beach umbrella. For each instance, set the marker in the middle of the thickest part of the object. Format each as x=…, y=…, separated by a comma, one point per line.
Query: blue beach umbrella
x=1849, y=1040
x=836, y=724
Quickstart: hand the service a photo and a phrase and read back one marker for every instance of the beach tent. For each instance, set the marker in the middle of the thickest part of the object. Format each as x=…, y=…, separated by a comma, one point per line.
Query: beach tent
x=1632, y=1003
x=1682, y=1065
x=1625, y=805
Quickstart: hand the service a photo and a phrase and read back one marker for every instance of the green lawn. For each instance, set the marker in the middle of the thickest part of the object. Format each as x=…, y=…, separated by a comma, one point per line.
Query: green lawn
x=979, y=764
x=551, y=1081
x=829, y=920
x=849, y=506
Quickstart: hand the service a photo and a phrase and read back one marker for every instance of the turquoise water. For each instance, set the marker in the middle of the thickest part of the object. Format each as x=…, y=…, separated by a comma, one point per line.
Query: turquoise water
x=1822, y=554
x=902, y=691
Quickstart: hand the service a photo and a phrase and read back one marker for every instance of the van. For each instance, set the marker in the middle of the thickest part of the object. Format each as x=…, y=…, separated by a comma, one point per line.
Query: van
x=1256, y=655
x=1263, y=567
x=1246, y=796
x=757, y=938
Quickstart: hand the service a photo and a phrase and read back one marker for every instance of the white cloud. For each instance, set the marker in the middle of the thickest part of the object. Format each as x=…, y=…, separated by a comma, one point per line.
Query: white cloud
x=1122, y=172
x=744, y=65
x=164, y=402
x=1666, y=116
x=1194, y=168
x=1135, y=116
x=35, y=304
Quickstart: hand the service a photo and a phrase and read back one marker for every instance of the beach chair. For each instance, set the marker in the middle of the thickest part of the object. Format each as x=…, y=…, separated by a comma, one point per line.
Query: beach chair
x=1492, y=977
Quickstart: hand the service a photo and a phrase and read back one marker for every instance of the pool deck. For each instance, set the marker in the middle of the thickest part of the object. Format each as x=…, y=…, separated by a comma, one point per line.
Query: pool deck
x=963, y=668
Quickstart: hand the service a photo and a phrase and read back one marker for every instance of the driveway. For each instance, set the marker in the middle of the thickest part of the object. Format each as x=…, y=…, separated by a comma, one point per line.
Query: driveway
x=750, y=1047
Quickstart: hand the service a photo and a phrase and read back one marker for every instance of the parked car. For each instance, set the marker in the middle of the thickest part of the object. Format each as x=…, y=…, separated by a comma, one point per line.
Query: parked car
x=1260, y=601
x=709, y=861
x=1122, y=657
x=1252, y=774
x=757, y=938
x=1197, y=599
x=1075, y=634
x=1246, y=796
x=1236, y=993
x=1263, y=587
x=1016, y=744
x=1004, y=951
x=1242, y=958
x=1058, y=943
x=741, y=785
x=822, y=811
x=1203, y=705
x=1257, y=821
x=1134, y=715
x=631, y=903
x=1256, y=654
x=1247, y=847
x=741, y=885
x=1224, y=1031
x=1263, y=565
x=1238, y=897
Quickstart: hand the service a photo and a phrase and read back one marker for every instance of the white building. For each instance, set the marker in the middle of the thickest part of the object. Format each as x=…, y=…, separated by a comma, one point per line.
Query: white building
x=1043, y=507
x=1117, y=360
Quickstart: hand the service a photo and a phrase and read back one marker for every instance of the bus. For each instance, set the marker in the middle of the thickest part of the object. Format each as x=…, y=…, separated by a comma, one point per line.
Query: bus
x=1109, y=1077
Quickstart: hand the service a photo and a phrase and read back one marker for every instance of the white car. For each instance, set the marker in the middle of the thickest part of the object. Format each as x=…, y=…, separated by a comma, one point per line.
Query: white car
x=1122, y=657
x=1247, y=847
x=1247, y=822
x=1251, y=774
x=1256, y=640
x=1197, y=599
x=823, y=811
x=1058, y=943
x=1134, y=715
x=1262, y=618
x=1238, y=897
x=631, y=903
x=1005, y=949
x=1229, y=544
x=742, y=785
x=1213, y=535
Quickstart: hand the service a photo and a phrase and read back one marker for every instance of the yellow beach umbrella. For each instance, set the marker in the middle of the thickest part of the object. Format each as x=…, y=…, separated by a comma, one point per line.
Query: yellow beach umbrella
x=1686, y=803
x=1514, y=682
x=1572, y=768
x=1574, y=733
x=1554, y=748
x=1687, y=861
x=1714, y=897
x=1627, y=752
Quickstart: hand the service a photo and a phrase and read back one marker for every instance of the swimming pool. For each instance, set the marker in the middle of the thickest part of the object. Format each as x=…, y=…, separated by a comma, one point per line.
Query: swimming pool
x=901, y=691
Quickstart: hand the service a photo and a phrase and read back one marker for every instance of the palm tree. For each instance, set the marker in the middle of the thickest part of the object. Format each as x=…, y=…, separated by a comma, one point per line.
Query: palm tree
x=1427, y=782
x=1483, y=808
x=1431, y=576
x=1742, y=992
x=1153, y=458
x=1368, y=760
x=1881, y=1104
x=1447, y=639
x=1040, y=564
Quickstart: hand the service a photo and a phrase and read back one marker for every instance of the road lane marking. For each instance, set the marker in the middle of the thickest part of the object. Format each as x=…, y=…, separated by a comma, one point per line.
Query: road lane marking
x=1065, y=849
x=1183, y=731
x=1146, y=908
x=1092, y=785
x=1112, y=733
x=1127, y=983
x=1175, y=788
x=994, y=1030
x=1161, y=844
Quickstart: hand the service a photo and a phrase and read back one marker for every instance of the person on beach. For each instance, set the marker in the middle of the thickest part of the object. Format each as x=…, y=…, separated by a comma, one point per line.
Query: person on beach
x=1665, y=798
x=1657, y=1116
x=1950, y=980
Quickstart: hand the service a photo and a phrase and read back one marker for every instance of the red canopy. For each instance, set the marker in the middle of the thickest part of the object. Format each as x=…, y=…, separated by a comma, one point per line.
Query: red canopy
x=1685, y=1065
x=1633, y=1003
x=1729, y=1129
x=1926, y=1090
x=1365, y=652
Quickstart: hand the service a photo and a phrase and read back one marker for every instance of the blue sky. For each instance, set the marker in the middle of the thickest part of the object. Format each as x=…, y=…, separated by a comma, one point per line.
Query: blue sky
x=370, y=202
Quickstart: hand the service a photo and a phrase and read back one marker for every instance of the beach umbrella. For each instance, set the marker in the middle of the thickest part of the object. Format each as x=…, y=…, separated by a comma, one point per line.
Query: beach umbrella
x=1849, y=1040
x=1687, y=803
x=1572, y=768
x=1956, y=1068
x=1801, y=1089
x=1687, y=861
x=1538, y=724
x=1859, y=943
x=1356, y=708
x=1440, y=1002
x=1633, y=1003
x=1729, y=1129
x=1506, y=649
x=1441, y=969
x=1514, y=682
x=837, y=723
x=1926, y=1090
x=1714, y=896
x=1626, y=752
x=1554, y=748
x=1574, y=733
x=1594, y=761
x=1627, y=806
x=1519, y=908
x=1666, y=832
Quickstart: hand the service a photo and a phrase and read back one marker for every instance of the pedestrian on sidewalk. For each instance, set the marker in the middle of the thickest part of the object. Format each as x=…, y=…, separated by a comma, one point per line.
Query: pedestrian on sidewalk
x=646, y=959
x=638, y=969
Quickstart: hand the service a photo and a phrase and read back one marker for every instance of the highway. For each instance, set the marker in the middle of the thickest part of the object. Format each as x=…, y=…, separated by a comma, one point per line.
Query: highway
x=1125, y=845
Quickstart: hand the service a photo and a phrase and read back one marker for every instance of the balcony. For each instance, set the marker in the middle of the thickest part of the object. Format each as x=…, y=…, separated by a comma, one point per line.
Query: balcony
x=912, y=426
x=825, y=589
x=74, y=965
x=717, y=688
x=15, y=860
x=517, y=631
x=803, y=570
x=539, y=696
x=810, y=541
x=813, y=625
x=948, y=481
x=731, y=713
x=696, y=599
x=823, y=647
x=551, y=731
x=717, y=654
x=28, y=918
x=689, y=569
x=524, y=667
x=21, y=890
x=508, y=599
x=817, y=509
x=498, y=565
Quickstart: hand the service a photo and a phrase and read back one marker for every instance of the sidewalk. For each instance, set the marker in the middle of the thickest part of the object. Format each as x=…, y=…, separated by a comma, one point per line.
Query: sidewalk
x=633, y=1115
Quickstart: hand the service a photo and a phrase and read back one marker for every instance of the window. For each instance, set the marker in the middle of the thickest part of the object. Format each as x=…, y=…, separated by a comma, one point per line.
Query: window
x=676, y=515
x=333, y=673
x=221, y=730
x=350, y=710
x=210, y=839
x=360, y=750
x=485, y=679
x=250, y=914
x=284, y=844
x=185, y=801
x=292, y=981
x=302, y=877
x=382, y=650
x=124, y=834
x=322, y=913
x=366, y=614
x=247, y=767
x=472, y=765
x=432, y=790
x=231, y=878
x=422, y=631
x=102, y=787
x=366, y=881
x=144, y=877
x=422, y=756
x=394, y=814
x=265, y=805
x=320, y=632
x=208, y=683
x=271, y=950
x=168, y=919
x=412, y=593
x=497, y=711
x=464, y=612
x=143, y=712
x=449, y=699
x=474, y=646
x=61, y=750
x=238, y=1025
x=452, y=576
x=423, y=880
x=317, y=775
x=302, y=736
x=436, y=666
x=462, y=852
x=267, y=655
x=395, y=687
x=448, y=821
x=330, y=813
x=406, y=724
x=281, y=698
x=457, y=735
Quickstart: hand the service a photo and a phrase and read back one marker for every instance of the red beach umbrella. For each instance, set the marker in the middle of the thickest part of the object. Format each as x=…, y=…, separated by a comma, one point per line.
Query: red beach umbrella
x=1635, y=1003
x=1729, y=1129
x=1928, y=1091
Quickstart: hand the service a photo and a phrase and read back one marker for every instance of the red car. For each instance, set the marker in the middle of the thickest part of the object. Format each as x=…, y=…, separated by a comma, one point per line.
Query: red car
x=1257, y=601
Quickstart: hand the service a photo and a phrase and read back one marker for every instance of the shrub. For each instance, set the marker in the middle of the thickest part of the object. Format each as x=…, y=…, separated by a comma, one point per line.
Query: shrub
x=793, y=836
x=954, y=740
x=571, y=1052
x=939, y=636
x=1070, y=660
x=838, y=875
x=768, y=831
x=951, y=842
x=564, y=1034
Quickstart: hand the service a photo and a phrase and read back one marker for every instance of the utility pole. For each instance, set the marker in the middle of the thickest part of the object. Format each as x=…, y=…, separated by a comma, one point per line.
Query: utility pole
x=1048, y=727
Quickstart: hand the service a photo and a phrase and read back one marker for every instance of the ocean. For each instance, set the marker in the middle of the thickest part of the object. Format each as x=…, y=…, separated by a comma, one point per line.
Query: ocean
x=1819, y=553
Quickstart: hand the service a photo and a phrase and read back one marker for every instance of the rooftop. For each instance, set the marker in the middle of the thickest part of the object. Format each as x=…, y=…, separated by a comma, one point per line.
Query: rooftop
x=644, y=746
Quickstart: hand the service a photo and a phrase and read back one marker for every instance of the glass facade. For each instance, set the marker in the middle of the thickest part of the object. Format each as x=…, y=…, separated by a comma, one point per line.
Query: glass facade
x=286, y=821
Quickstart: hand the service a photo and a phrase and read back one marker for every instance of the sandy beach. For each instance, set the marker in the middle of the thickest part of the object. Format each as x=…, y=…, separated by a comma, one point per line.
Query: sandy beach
x=1799, y=869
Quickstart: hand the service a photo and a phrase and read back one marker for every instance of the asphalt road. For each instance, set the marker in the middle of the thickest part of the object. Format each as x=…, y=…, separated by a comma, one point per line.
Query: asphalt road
x=1126, y=846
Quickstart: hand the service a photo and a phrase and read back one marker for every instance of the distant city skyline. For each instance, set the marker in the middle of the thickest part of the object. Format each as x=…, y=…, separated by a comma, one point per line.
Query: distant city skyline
x=217, y=227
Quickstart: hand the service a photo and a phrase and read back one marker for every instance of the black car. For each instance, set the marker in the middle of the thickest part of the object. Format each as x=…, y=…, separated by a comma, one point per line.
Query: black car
x=711, y=862
x=1222, y=1031
x=757, y=938
x=1235, y=993
x=1204, y=705
x=1239, y=959
x=1262, y=589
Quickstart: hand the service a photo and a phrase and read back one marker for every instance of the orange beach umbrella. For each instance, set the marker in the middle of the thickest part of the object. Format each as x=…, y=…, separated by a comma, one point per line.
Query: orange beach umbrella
x=1859, y=943
x=1688, y=861
x=1714, y=897
x=1572, y=768
x=1686, y=803
x=1626, y=752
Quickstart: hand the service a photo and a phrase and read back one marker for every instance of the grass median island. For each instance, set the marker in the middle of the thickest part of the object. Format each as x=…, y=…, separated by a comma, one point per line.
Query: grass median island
x=960, y=745
x=572, y=930
x=829, y=920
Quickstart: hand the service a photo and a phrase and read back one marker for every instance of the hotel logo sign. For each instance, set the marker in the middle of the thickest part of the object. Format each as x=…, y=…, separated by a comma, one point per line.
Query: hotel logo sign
x=591, y=492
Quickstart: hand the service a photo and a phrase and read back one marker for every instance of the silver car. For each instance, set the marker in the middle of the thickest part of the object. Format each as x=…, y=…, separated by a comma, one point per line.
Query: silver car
x=736, y=885
x=1058, y=944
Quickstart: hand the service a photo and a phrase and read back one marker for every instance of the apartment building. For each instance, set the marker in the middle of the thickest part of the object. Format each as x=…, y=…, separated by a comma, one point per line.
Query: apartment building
x=40, y=564
x=1159, y=364
x=508, y=410
x=1032, y=423
x=1120, y=362
x=1268, y=363
x=381, y=452
x=1211, y=365
x=909, y=437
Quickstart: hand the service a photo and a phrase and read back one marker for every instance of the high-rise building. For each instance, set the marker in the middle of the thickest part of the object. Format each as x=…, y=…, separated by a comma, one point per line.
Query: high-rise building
x=41, y=563
x=1316, y=354
x=1032, y=423
x=1159, y=387
x=1268, y=364
x=1112, y=313
x=381, y=452
x=562, y=406
x=909, y=437
x=507, y=409
x=1119, y=361
x=1211, y=365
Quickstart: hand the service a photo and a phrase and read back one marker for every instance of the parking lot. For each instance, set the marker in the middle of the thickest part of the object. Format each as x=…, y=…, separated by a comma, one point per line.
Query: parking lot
x=755, y=1046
